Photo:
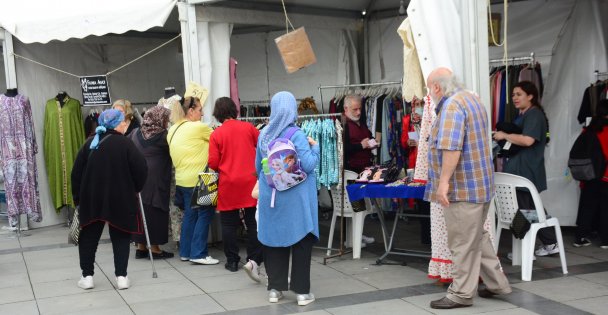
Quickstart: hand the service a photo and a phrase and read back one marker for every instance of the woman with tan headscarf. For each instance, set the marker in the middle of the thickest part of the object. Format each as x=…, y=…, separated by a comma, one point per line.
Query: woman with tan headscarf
x=151, y=140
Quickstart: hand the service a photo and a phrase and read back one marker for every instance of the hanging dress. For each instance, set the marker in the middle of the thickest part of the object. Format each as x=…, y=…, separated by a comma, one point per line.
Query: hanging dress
x=63, y=137
x=18, y=149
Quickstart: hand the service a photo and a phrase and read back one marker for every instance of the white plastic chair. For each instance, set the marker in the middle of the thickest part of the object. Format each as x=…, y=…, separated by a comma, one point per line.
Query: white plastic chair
x=505, y=201
x=354, y=226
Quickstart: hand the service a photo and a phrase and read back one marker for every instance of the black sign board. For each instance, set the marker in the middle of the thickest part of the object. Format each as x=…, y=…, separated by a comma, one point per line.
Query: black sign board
x=95, y=90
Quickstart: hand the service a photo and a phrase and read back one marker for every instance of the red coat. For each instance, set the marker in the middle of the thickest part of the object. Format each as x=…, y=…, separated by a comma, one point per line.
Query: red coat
x=232, y=155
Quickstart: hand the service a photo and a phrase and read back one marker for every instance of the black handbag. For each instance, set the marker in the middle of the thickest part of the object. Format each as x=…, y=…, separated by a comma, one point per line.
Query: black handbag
x=520, y=225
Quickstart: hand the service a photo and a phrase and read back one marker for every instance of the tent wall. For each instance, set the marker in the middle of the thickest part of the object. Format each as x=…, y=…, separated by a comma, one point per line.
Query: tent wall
x=385, y=50
x=143, y=81
x=569, y=38
x=261, y=72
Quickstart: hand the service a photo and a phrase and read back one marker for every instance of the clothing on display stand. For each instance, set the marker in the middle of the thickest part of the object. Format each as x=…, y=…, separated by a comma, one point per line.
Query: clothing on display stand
x=502, y=80
x=63, y=137
x=18, y=149
x=596, y=91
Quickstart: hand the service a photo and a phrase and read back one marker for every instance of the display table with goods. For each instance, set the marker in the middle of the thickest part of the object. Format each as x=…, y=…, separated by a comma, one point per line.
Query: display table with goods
x=398, y=189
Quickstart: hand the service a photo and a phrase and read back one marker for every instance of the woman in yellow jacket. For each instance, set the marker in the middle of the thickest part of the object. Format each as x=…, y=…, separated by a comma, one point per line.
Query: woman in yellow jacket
x=189, y=148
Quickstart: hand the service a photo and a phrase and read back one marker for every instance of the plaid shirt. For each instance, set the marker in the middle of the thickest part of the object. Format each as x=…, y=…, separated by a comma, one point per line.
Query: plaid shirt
x=462, y=125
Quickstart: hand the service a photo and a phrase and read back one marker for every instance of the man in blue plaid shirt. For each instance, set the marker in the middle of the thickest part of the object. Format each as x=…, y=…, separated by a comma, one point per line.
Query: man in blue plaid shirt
x=462, y=180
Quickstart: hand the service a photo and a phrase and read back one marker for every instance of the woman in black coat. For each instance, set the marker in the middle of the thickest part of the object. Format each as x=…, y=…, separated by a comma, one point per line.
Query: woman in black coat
x=108, y=173
x=151, y=140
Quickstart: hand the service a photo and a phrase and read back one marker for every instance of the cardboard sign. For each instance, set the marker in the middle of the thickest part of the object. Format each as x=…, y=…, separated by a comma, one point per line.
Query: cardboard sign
x=95, y=90
x=295, y=50
x=194, y=89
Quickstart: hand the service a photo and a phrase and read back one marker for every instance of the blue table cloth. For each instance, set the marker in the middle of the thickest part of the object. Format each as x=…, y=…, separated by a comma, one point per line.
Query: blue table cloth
x=360, y=191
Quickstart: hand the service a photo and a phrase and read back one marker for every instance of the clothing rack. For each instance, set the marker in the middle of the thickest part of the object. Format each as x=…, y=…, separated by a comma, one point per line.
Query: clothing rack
x=599, y=74
x=319, y=116
x=253, y=118
x=530, y=58
x=323, y=87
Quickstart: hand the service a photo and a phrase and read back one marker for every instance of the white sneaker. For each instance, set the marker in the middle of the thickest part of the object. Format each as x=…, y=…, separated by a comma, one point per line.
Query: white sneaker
x=547, y=250
x=184, y=258
x=274, y=296
x=86, y=282
x=305, y=299
x=122, y=282
x=367, y=239
x=205, y=261
x=252, y=270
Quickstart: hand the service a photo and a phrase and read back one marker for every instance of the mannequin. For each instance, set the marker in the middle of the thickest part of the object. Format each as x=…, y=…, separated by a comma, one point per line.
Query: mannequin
x=169, y=91
x=11, y=92
x=60, y=97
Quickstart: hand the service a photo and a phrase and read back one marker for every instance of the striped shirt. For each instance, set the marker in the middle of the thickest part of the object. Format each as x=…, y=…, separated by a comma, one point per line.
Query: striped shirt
x=462, y=125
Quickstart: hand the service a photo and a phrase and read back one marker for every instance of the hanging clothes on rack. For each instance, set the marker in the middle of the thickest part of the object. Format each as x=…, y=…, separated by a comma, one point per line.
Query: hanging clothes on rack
x=18, y=149
x=63, y=137
x=593, y=93
x=324, y=132
x=501, y=85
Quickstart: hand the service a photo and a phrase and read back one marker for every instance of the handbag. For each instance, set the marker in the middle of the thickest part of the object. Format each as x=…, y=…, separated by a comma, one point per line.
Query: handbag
x=74, y=234
x=205, y=192
x=520, y=225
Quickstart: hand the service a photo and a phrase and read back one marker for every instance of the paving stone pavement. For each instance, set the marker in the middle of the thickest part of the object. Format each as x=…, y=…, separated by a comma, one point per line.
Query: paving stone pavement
x=39, y=274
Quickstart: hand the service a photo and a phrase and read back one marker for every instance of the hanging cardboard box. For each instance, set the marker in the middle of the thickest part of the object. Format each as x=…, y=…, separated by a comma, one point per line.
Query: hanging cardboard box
x=295, y=50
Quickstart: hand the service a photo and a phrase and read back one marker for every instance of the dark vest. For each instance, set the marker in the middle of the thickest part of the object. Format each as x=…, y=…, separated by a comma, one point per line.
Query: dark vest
x=357, y=161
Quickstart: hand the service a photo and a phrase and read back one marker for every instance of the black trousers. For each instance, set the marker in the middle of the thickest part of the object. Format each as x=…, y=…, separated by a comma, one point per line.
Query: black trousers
x=230, y=223
x=277, y=266
x=524, y=201
x=89, y=240
x=593, y=209
x=424, y=207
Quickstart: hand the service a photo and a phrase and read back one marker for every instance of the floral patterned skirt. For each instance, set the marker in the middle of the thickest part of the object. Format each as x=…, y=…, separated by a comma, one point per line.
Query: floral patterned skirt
x=441, y=266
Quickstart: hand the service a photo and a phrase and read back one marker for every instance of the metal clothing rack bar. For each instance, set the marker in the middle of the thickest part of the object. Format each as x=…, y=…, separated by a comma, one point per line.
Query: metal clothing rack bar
x=253, y=118
x=319, y=116
x=599, y=74
x=530, y=58
x=323, y=87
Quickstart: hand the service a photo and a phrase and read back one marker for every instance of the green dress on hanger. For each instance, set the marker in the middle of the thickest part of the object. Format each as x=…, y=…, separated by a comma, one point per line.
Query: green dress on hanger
x=63, y=137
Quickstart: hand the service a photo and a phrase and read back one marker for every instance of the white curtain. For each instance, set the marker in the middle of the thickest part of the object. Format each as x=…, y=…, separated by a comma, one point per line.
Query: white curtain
x=214, y=56
x=580, y=51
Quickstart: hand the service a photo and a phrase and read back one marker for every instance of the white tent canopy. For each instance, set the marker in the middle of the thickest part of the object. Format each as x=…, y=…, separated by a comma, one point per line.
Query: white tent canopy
x=42, y=21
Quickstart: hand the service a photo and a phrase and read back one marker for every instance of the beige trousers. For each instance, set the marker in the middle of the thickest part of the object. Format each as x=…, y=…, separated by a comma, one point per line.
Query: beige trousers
x=472, y=252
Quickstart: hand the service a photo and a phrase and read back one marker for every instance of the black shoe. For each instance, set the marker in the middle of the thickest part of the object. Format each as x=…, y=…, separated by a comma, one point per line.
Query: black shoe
x=162, y=255
x=232, y=266
x=140, y=254
x=485, y=293
x=581, y=242
x=445, y=303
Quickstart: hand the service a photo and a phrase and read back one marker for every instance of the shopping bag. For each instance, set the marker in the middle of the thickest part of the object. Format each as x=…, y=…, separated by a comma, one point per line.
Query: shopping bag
x=205, y=192
x=295, y=50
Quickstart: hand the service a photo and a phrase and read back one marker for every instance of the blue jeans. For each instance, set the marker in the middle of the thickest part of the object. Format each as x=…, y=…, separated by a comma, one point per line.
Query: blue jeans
x=195, y=226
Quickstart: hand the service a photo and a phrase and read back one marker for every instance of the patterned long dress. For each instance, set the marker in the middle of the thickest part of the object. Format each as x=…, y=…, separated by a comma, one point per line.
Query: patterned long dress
x=440, y=265
x=18, y=149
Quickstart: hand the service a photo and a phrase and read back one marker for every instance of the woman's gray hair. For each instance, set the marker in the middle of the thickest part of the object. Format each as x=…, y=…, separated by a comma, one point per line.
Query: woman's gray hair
x=448, y=83
x=348, y=100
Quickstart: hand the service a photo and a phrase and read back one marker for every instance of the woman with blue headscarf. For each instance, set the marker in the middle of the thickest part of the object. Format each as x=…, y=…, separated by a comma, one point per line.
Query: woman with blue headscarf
x=291, y=225
x=108, y=173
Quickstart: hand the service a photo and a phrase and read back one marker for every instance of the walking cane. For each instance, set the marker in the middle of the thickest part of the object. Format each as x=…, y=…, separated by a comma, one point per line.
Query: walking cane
x=143, y=216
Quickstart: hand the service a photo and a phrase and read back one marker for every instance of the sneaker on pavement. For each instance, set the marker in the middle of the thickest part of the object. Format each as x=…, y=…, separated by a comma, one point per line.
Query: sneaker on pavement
x=252, y=270
x=86, y=282
x=581, y=242
x=274, y=296
x=205, y=261
x=547, y=250
x=367, y=239
x=604, y=246
x=184, y=258
x=305, y=299
x=122, y=282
